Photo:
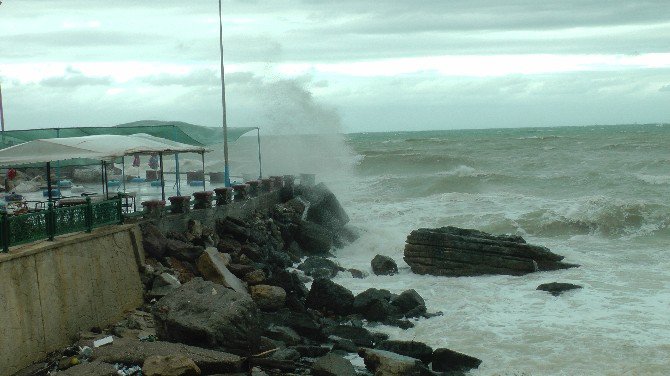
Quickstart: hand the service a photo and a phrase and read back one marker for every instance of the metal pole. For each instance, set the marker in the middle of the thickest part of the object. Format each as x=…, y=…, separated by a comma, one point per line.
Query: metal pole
x=160, y=157
x=58, y=162
x=123, y=173
x=260, y=162
x=226, y=172
x=176, y=162
x=49, y=181
x=203, y=171
x=2, y=115
x=102, y=174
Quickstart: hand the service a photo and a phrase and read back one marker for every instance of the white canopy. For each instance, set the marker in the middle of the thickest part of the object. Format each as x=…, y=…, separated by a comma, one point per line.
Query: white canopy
x=100, y=147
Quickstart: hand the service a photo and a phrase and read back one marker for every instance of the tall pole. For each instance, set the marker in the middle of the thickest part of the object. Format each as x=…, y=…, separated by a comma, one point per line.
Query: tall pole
x=226, y=172
x=2, y=113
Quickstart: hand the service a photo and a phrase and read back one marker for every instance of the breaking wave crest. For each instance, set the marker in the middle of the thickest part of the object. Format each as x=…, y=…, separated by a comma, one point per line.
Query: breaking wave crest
x=597, y=215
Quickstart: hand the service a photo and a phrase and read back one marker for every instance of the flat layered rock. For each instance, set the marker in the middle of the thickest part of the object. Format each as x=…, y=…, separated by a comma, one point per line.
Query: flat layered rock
x=453, y=252
x=130, y=351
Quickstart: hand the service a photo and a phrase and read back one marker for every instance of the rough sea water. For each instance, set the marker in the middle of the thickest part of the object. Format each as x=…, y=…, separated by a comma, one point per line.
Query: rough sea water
x=600, y=196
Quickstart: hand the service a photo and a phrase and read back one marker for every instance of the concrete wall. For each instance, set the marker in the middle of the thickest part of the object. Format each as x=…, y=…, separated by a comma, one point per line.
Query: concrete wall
x=50, y=291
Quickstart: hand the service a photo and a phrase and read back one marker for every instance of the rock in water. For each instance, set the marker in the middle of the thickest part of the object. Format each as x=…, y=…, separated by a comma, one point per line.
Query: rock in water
x=327, y=296
x=453, y=252
x=384, y=265
x=445, y=360
x=324, y=208
x=319, y=267
x=207, y=314
x=386, y=363
x=557, y=288
x=412, y=349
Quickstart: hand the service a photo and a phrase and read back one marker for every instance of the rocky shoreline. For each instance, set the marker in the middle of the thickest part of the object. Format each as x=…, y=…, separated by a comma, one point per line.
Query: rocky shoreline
x=234, y=300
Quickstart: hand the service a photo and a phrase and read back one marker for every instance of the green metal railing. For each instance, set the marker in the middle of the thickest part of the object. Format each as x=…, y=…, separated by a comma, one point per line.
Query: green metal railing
x=46, y=224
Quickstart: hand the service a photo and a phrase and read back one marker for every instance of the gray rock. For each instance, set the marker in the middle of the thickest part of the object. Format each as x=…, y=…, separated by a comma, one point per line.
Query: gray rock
x=384, y=265
x=452, y=251
x=203, y=313
x=182, y=250
x=153, y=240
x=358, y=335
x=286, y=354
x=314, y=238
x=410, y=303
x=374, y=304
x=212, y=265
x=284, y=334
x=319, y=267
x=268, y=298
x=332, y=365
x=557, y=288
x=327, y=296
x=343, y=344
x=445, y=360
x=412, y=349
x=387, y=363
x=324, y=208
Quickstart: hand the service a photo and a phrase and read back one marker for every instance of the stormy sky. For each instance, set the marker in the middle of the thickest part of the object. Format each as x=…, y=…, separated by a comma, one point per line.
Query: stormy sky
x=347, y=65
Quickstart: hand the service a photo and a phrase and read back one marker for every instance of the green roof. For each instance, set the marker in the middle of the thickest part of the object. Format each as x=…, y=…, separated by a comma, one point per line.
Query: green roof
x=178, y=131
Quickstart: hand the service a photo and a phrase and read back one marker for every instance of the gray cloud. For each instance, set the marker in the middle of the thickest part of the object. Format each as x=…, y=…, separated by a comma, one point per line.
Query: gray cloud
x=202, y=77
x=74, y=79
x=665, y=88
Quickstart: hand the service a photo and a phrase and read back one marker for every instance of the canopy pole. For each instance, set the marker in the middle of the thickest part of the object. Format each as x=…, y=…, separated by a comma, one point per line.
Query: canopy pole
x=176, y=162
x=160, y=159
x=102, y=175
x=49, y=181
x=260, y=161
x=123, y=173
x=226, y=172
x=2, y=118
x=104, y=166
x=202, y=155
x=58, y=162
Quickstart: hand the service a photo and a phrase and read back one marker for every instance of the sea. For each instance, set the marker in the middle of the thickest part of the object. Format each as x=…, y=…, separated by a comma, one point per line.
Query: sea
x=599, y=195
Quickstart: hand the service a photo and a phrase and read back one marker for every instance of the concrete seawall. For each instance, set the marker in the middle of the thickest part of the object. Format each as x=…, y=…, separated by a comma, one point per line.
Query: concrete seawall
x=50, y=291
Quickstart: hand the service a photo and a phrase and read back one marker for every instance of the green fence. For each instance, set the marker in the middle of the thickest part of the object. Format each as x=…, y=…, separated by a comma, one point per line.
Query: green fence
x=46, y=224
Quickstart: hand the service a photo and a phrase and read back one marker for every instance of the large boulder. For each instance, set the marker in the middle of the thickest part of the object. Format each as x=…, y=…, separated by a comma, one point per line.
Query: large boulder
x=409, y=304
x=451, y=251
x=319, y=267
x=268, y=298
x=153, y=240
x=358, y=335
x=203, y=313
x=233, y=227
x=212, y=265
x=314, y=238
x=324, y=208
x=171, y=365
x=413, y=349
x=332, y=365
x=374, y=304
x=386, y=363
x=384, y=265
x=327, y=296
x=182, y=250
x=445, y=360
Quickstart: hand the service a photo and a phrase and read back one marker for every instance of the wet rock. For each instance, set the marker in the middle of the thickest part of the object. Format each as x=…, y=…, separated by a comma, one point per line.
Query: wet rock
x=374, y=304
x=163, y=284
x=412, y=349
x=184, y=271
x=452, y=251
x=384, y=265
x=286, y=354
x=343, y=344
x=153, y=240
x=410, y=304
x=131, y=351
x=319, y=267
x=313, y=238
x=358, y=335
x=324, y=208
x=229, y=245
x=445, y=360
x=182, y=250
x=290, y=282
x=332, y=365
x=171, y=365
x=355, y=273
x=240, y=270
x=233, y=227
x=212, y=266
x=557, y=288
x=387, y=363
x=283, y=334
x=268, y=298
x=304, y=323
x=327, y=296
x=312, y=351
x=204, y=313
x=254, y=277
